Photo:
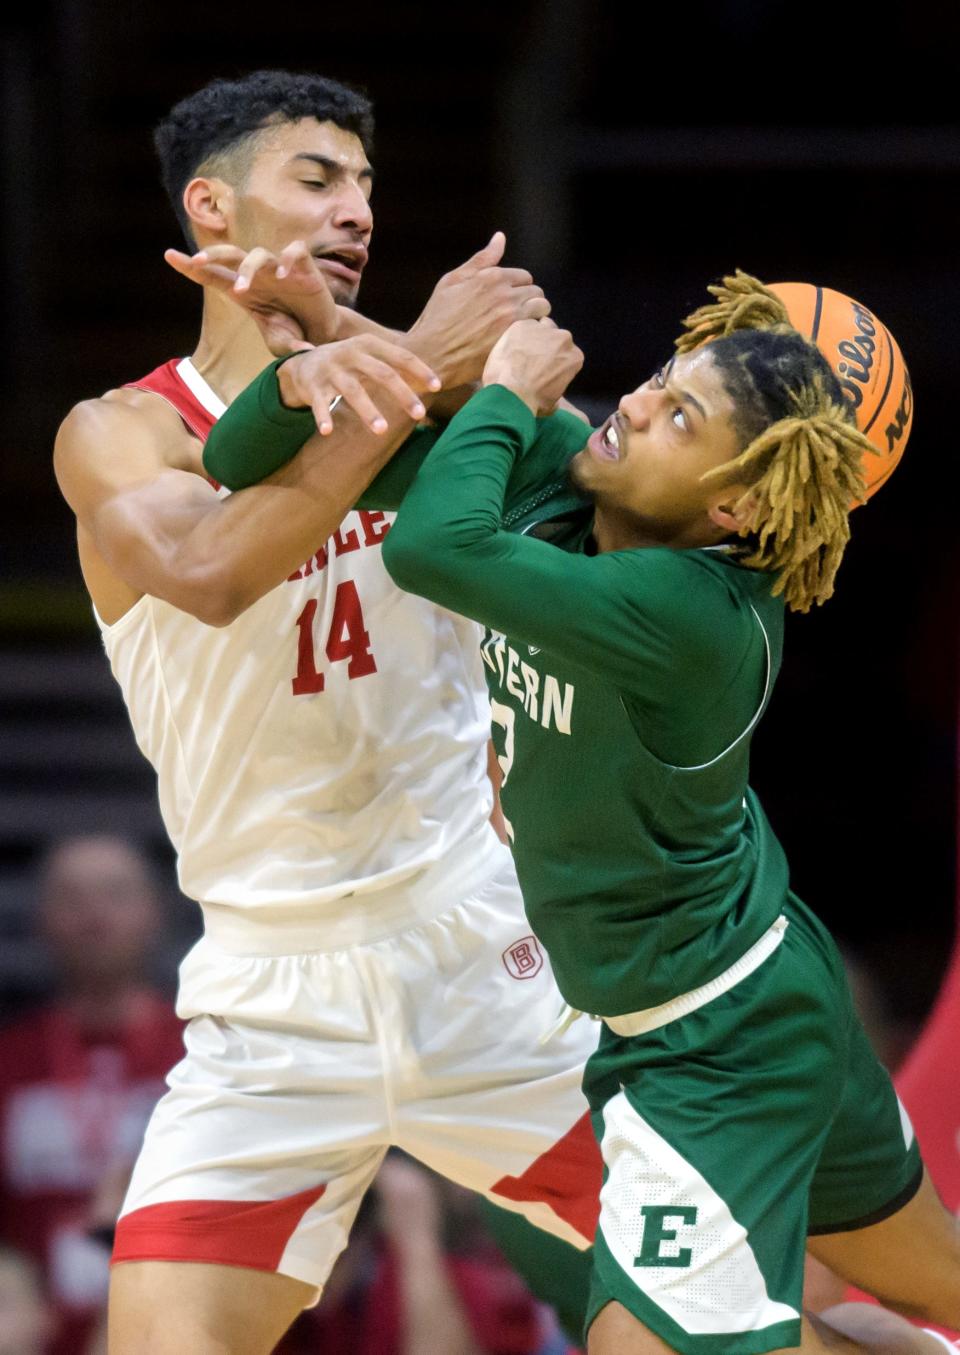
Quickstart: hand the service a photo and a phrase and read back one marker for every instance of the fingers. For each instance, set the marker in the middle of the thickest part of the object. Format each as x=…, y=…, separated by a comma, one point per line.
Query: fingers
x=368, y=379
x=488, y=257
x=296, y=258
x=253, y=262
x=320, y=404
x=355, y=395
x=199, y=269
x=180, y=262
x=231, y=256
x=516, y=277
x=406, y=363
x=535, y=308
x=364, y=371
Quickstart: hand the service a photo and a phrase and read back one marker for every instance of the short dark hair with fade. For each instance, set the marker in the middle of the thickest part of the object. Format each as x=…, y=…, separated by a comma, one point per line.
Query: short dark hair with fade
x=226, y=113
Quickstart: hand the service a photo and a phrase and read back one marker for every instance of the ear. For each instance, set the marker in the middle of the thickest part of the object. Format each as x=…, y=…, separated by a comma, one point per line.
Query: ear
x=732, y=509
x=209, y=205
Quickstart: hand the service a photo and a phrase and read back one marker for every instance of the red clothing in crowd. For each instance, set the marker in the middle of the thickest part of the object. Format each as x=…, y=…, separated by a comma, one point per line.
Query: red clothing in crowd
x=928, y=1084
x=72, y=1110
x=504, y=1317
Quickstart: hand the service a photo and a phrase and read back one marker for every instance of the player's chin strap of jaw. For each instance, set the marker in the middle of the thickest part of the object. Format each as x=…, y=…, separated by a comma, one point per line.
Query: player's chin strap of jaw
x=650, y=1018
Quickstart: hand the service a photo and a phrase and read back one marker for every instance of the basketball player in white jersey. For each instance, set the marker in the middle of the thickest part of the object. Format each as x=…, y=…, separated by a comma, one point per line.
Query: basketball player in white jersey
x=366, y=975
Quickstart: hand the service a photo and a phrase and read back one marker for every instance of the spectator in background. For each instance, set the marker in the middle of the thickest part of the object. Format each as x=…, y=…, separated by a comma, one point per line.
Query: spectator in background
x=422, y=1277
x=79, y=1076
x=26, y=1321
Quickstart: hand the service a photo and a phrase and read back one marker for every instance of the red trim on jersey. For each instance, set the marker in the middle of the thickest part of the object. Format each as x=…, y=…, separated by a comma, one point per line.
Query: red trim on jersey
x=567, y=1177
x=251, y=1233
x=167, y=382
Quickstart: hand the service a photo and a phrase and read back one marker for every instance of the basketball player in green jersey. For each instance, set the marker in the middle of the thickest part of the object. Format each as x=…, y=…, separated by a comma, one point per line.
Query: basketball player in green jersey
x=633, y=592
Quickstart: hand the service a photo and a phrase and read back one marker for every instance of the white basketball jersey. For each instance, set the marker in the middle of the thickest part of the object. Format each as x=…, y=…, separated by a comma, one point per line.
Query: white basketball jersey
x=331, y=740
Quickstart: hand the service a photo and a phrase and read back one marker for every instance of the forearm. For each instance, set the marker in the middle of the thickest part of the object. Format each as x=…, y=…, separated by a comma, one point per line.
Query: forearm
x=214, y=557
x=351, y=323
x=269, y=529
x=449, y=529
x=257, y=436
x=447, y=402
x=603, y=612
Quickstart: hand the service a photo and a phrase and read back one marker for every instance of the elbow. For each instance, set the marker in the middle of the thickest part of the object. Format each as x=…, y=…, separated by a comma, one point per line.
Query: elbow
x=212, y=597
x=215, y=612
x=416, y=566
x=401, y=558
x=429, y=564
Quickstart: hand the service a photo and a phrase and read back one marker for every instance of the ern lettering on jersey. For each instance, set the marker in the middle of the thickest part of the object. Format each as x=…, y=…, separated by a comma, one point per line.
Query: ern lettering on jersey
x=541, y=696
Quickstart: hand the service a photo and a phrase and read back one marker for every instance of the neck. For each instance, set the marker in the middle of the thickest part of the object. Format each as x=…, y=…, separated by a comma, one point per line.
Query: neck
x=620, y=531
x=230, y=351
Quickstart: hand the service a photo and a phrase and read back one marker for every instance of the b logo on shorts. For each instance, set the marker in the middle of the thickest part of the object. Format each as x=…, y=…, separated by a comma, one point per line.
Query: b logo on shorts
x=524, y=958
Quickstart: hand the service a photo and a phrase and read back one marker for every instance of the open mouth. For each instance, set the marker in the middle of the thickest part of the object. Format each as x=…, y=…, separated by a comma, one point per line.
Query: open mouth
x=605, y=442
x=347, y=263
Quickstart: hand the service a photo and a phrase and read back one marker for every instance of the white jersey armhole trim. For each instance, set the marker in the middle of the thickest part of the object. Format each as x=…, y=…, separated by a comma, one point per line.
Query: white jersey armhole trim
x=757, y=713
x=198, y=386
x=702, y=766
x=207, y=396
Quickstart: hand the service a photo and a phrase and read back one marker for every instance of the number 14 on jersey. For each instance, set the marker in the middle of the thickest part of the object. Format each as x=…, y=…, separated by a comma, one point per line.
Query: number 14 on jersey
x=348, y=639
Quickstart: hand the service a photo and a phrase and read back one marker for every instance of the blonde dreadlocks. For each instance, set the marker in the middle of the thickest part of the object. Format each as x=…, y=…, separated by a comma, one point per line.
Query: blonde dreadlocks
x=803, y=458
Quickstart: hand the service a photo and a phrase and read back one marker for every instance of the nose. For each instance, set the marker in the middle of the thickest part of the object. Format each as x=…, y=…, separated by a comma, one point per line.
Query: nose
x=637, y=407
x=352, y=211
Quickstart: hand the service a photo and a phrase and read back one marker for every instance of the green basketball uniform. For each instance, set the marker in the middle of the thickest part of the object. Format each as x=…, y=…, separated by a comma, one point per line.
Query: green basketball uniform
x=734, y=1094
x=744, y=1106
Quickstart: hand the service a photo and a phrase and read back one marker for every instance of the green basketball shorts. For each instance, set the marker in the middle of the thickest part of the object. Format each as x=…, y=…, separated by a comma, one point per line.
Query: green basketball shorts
x=729, y=1135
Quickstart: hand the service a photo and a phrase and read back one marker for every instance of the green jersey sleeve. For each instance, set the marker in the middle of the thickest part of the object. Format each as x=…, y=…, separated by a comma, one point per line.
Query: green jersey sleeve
x=257, y=435
x=644, y=620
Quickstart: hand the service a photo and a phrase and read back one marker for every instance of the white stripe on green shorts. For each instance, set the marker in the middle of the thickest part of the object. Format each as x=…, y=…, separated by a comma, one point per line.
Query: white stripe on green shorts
x=675, y=1237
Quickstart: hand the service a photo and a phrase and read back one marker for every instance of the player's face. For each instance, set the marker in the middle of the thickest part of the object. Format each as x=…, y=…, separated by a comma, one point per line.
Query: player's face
x=309, y=181
x=645, y=463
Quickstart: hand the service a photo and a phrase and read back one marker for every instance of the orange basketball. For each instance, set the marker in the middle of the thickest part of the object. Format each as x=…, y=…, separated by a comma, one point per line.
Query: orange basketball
x=868, y=364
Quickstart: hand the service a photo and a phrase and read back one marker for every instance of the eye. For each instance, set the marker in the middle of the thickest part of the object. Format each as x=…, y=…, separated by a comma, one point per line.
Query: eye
x=679, y=416
x=656, y=381
x=313, y=183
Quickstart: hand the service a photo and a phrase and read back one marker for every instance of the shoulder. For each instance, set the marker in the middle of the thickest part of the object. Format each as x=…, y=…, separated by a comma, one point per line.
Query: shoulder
x=122, y=414
x=702, y=600
x=119, y=438
x=702, y=577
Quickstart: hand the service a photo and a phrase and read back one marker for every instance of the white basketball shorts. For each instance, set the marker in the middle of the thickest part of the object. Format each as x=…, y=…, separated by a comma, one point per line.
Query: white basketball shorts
x=304, y=1065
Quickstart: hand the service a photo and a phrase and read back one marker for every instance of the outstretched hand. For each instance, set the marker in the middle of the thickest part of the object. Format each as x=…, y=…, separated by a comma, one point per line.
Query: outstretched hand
x=361, y=370
x=470, y=308
x=286, y=293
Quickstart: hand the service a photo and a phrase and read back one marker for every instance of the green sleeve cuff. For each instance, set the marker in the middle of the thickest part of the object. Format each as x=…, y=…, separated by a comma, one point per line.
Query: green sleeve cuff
x=257, y=434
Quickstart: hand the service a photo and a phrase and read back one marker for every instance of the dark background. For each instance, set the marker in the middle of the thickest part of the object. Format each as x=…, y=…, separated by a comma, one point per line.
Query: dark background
x=632, y=153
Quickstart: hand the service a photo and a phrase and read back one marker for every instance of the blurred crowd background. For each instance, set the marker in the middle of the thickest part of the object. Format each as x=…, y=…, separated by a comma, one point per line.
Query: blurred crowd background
x=632, y=153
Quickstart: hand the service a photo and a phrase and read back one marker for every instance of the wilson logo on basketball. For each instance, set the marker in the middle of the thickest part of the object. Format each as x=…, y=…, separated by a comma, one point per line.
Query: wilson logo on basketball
x=867, y=362
x=524, y=958
x=901, y=419
x=858, y=354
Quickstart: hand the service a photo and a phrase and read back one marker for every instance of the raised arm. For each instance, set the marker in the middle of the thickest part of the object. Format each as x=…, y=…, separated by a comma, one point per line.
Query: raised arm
x=129, y=473
x=623, y=615
x=468, y=311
